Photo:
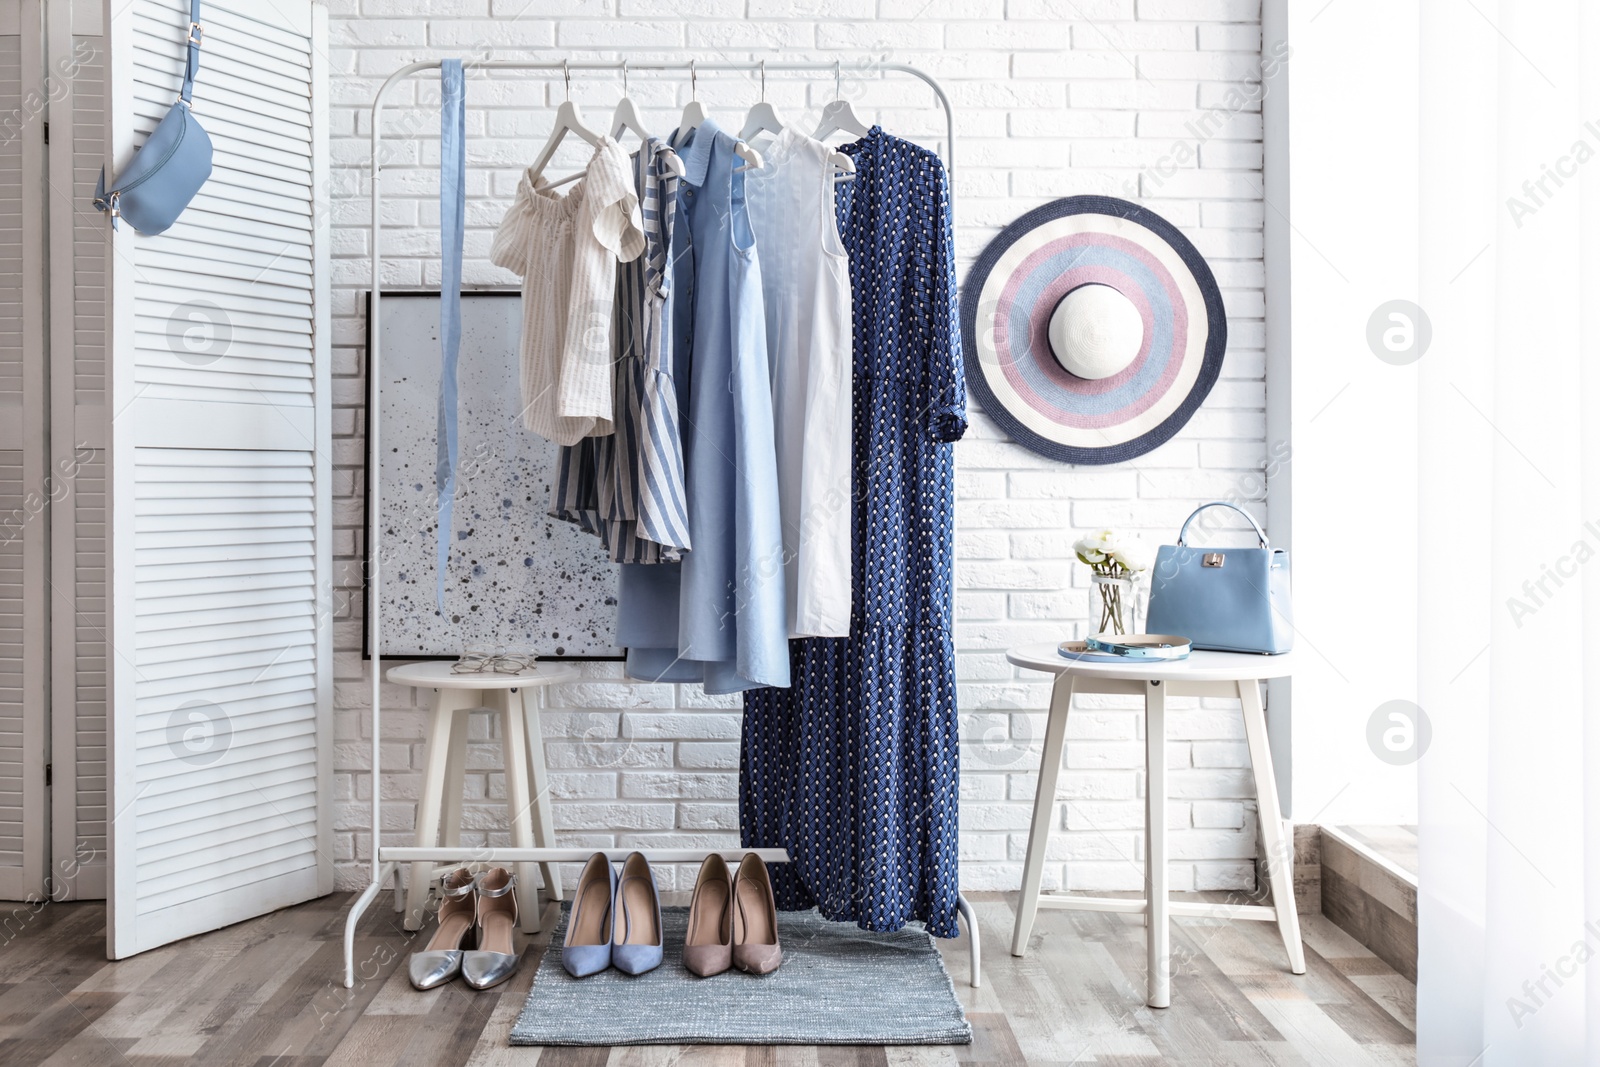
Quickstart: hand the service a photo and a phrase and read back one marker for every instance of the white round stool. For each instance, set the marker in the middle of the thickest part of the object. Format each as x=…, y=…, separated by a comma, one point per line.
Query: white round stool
x=527, y=781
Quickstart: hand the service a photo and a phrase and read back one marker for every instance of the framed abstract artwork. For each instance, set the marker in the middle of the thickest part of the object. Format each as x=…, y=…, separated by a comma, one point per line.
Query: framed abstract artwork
x=517, y=579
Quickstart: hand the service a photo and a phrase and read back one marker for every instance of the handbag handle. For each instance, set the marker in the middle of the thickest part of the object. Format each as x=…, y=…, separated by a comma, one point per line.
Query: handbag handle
x=191, y=64
x=1223, y=504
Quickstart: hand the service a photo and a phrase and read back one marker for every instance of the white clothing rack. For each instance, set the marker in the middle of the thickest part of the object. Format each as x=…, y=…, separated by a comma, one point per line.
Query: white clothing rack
x=387, y=859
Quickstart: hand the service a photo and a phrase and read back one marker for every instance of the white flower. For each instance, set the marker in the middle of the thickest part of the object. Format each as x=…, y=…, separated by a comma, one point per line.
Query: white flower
x=1111, y=552
x=1131, y=554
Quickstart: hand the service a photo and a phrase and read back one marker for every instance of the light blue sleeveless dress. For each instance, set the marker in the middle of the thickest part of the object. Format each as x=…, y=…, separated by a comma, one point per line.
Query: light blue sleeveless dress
x=719, y=616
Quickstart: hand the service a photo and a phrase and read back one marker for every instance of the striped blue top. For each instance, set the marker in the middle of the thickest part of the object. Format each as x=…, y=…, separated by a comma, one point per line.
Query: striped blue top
x=628, y=487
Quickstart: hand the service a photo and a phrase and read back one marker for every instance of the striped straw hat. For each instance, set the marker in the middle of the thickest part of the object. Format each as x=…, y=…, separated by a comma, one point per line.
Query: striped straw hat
x=1093, y=330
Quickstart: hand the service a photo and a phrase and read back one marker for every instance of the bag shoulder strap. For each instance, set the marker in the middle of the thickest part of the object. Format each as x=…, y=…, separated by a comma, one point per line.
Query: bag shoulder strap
x=1183, y=533
x=191, y=65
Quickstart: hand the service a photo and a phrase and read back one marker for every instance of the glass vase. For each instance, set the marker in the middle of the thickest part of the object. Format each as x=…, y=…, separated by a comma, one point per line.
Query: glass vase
x=1112, y=605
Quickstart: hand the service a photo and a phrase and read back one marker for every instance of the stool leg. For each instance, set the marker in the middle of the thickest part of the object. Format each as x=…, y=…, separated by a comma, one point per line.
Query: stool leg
x=1280, y=856
x=1158, y=932
x=1044, y=804
x=455, y=777
x=544, y=823
x=515, y=747
x=445, y=705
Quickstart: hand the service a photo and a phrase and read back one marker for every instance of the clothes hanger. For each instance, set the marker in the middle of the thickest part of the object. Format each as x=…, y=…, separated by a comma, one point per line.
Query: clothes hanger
x=626, y=117
x=694, y=112
x=839, y=115
x=763, y=117
x=568, y=120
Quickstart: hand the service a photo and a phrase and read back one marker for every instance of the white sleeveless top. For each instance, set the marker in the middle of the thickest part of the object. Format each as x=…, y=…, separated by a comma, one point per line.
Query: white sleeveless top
x=805, y=280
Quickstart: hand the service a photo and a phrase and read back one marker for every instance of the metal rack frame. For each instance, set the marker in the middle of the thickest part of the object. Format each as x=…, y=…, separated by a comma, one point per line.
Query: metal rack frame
x=387, y=860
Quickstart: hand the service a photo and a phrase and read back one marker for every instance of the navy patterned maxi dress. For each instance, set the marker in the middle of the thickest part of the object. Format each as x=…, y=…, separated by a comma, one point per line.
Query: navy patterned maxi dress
x=854, y=769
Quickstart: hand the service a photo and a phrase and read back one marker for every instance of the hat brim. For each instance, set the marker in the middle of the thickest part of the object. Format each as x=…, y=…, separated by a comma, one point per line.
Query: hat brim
x=1014, y=287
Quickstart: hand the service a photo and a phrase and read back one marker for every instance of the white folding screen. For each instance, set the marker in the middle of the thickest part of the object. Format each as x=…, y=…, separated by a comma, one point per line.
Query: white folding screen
x=220, y=608
x=76, y=64
x=23, y=641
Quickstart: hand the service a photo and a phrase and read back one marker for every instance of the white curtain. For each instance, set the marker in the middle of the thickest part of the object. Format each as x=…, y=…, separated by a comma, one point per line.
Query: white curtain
x=1509, y=553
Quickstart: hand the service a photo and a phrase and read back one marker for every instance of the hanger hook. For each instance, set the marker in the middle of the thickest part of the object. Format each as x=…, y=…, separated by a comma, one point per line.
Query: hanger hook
x=624, y=77
x=763, y=81
x=694, y=81
x=838, y=92
x=566, y=74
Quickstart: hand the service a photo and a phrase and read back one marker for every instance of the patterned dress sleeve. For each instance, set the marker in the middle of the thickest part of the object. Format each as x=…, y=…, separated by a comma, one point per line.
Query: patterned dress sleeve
x=947, y=383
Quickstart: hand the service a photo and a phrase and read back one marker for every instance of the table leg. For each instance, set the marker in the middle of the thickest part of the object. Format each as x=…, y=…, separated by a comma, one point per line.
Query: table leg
x=544, y=822
x=515, y=746
x=455, y=778
x=446, y=705
x=1044, y=803
x=1280, y=855
x=1158, y=931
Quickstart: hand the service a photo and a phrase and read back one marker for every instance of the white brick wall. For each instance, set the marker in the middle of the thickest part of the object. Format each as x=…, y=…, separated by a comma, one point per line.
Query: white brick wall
x=1053, y=97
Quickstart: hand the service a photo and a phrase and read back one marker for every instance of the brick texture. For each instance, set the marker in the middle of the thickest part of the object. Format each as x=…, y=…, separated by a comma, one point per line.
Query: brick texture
x=1144, y=99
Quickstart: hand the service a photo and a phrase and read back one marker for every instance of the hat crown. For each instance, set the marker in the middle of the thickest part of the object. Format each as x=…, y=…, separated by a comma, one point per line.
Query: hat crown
x=1096, y=332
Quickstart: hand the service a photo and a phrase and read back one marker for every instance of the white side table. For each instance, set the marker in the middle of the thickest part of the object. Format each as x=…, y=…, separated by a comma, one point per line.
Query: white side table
x=527, y=781
x=1202, y=674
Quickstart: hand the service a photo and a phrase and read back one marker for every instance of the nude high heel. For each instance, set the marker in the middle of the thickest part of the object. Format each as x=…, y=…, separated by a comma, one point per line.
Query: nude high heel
x=755, y=919
x=708, y=946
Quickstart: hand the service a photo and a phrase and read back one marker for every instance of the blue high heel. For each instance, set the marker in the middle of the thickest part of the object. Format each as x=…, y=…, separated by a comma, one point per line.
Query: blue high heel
x=587, y=948
x=636, y=944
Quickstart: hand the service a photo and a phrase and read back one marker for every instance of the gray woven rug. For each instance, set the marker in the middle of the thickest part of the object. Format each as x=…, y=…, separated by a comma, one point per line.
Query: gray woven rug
x=839, y=985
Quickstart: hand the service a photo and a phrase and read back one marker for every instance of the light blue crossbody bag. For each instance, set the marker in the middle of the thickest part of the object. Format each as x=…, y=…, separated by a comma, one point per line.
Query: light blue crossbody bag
x=172, y=165
x=1224, y=599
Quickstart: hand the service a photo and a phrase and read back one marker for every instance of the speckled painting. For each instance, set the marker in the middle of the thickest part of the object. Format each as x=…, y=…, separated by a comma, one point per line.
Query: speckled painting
x=517, y=580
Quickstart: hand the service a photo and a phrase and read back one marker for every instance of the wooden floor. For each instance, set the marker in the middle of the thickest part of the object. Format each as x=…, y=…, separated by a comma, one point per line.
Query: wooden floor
x=267, y=993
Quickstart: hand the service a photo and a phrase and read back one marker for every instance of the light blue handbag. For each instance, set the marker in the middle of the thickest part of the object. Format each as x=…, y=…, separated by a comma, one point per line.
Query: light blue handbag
x=1224, y=599
x=173, y=164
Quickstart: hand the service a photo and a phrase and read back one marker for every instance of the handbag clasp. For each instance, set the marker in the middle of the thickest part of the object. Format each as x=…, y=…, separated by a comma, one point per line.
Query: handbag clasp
x=1212, y=559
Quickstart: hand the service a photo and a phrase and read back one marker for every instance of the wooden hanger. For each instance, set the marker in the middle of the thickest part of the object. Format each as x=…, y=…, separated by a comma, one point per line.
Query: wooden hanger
x=568, y=120
x=694, y=113
x=763, y=117
x=839, y=115
x=626, y=118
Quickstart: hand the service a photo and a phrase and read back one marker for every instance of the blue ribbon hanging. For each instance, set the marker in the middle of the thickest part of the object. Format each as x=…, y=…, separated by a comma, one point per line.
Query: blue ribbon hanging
x=452, y=223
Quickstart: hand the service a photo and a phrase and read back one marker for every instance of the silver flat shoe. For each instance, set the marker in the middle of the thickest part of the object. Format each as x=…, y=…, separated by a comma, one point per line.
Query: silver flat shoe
x=441, y=960
x=495, y=959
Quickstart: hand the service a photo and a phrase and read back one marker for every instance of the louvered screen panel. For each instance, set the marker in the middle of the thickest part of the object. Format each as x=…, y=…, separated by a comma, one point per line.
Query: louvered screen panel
x=226, y=716
x=88, y=147
x=76, y=54
x=11, y=257
x=24, y=546
x=87, y=505
x=227, y=313
x=13, y=744
x=88, y=669
x=220, y=574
